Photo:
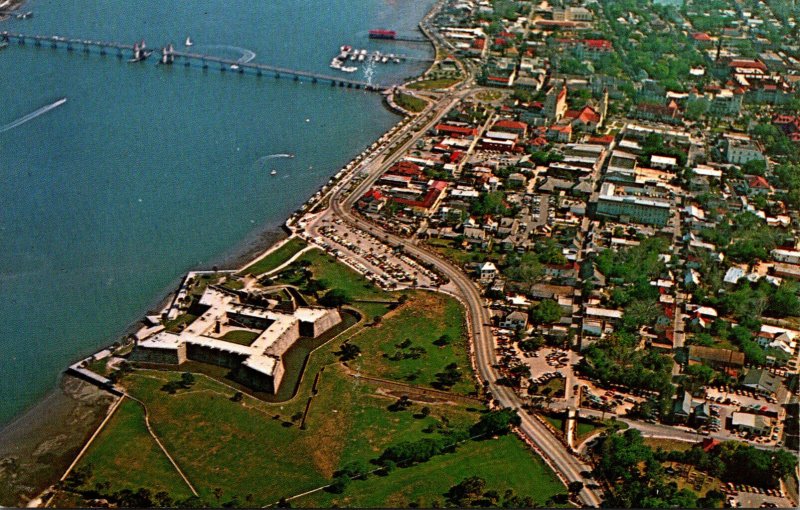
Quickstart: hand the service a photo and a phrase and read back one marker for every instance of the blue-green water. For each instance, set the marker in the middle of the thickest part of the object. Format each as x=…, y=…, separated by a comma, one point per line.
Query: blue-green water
x=147, y=172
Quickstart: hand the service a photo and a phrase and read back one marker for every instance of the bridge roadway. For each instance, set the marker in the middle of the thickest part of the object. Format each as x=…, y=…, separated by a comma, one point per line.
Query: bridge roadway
x=56, y=41
x=314, y=77
x=67, y=41
x=568, y=466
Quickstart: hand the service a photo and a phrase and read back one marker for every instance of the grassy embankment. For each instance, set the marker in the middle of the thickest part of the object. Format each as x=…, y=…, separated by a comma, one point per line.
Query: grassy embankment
x=257, y=452
x=409, y=102
x=276, y=258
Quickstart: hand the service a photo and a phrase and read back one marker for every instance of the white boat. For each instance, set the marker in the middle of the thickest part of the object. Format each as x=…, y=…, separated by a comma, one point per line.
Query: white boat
x=234, y=67
x=360, y=57
x=384, y=60
x=274, y=172
x=336, y=63
x=188, y=42
x=349, y=69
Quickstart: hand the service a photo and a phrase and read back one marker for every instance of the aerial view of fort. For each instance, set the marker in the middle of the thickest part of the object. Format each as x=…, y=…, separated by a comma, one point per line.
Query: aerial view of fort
x=400, y=254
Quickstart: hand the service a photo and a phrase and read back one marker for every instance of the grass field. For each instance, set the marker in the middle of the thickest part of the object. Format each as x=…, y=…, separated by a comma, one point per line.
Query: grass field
x=409, y=102
x=257, y=452
x=556, y=422
x=226, y=448
x=441, y=315
x=277, y=257
x=441, y=83
x=489, y=95
x=459, y=255
x=338, y=276
x=667, y=444
x=550, y=388
x=585, y=429
x=504, y=463
x=126, y=447
x=240, y=337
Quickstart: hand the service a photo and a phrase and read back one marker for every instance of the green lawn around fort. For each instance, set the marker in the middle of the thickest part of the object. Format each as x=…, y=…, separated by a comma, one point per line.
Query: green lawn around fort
x=257, y=452
x=237, y=449
x=127, y=448
x=400, y=347
x=504, y=463
x=277, y=257
x=241, y=337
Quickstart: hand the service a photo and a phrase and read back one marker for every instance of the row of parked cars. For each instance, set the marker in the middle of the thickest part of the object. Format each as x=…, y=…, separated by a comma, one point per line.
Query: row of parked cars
x=546, y=377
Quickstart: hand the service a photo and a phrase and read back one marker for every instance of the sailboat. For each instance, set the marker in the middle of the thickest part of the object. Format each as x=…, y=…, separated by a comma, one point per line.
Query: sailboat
x=188, y=42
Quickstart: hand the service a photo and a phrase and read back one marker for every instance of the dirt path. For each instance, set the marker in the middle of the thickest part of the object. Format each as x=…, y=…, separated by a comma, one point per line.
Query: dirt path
x=160, y=445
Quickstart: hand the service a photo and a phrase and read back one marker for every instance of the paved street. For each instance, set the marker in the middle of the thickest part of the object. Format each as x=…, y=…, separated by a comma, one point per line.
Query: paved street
x=566, y=464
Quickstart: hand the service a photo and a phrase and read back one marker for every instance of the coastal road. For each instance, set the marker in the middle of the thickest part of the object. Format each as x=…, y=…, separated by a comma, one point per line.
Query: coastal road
x=567, y=465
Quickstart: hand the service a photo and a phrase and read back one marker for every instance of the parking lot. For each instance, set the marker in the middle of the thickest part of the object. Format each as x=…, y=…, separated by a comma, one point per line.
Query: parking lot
x=368, y=255
x=725, y=403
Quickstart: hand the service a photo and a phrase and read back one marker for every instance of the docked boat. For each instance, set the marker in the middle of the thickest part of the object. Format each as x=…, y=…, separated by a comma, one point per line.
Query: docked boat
x=384, y=59
x=188, y=42
x=360, y=57
x=234, y=67
x=336, y=63
x=382, y=34
x=349, y=69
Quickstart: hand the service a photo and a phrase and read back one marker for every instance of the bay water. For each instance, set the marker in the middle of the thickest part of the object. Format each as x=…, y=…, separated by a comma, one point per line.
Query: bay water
x=146, y=172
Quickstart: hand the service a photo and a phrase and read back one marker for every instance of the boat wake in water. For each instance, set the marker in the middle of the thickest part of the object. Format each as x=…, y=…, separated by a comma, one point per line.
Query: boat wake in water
x=261, y=163
x=41, y=111
x=273, y=156
x=246, y=57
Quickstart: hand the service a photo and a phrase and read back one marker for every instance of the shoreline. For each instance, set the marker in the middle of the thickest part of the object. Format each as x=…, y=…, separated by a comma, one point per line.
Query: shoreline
x=32, y=429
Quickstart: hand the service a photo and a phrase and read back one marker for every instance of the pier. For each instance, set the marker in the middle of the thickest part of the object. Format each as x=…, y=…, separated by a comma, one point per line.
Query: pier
x=169, y=56
x=138, y=52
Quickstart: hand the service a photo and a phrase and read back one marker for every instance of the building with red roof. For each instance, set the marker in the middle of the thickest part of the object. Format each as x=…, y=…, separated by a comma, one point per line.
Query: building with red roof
x=456, y=131
x=759, y=184
x=428, y=203
x=372, y=201
x=500, y=81
x=601, y=140
x=787, y=123
x=406, y=168
x=748, y=64
x=561, y=134
x=511, y=126
x=586, y=119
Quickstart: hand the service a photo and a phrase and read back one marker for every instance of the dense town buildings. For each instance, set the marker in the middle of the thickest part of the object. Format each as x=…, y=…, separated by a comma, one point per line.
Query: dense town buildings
x=606, y=204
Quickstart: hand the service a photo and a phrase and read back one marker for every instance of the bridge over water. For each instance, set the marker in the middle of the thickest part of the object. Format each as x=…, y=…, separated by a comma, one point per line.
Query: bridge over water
x=138, y=52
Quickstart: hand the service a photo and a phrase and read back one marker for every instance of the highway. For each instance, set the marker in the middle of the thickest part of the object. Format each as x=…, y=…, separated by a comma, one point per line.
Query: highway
x=340, y=205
